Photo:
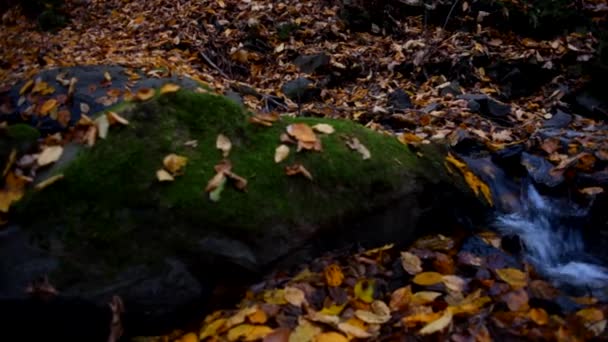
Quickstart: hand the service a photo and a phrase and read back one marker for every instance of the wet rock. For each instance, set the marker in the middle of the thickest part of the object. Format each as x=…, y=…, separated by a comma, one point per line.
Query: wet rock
x=453, y=89
x=312, y=63
x=234, y=96
x=494, y=257
x=486, y=106
x=301, y=90
x=399, y=100
x=541, y=170
x=591, y=106
x=560, y=119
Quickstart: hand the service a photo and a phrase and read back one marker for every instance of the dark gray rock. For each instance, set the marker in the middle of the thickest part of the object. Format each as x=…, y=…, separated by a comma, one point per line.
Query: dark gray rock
x=311, y=63
x=453, y=89
x=541, y=170
x=399, y=100
x=486, y=106
x=301, y=90
x=560, y=119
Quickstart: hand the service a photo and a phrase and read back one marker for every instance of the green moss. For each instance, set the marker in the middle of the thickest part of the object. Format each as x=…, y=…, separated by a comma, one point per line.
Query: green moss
x=22, y=133
x=110, y=196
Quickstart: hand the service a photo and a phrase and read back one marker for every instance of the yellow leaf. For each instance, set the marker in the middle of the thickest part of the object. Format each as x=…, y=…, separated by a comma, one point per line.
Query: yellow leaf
x=294, y=296
x=48, y=182
x=364, y=290
x=115, y=118
x=258, y=317
x=470, y=307
x=26, y=87
x=353, y=330
x=174, y=163
x=48, y=106
x=411, y=263
x=539, y=316
x=13, y=190
x=381, y=313
x=331, y=337
x=333, y=309
x=223, y=144
x=424, y=297
x=427, y=278
x=324, y=128
x=50, y=155
x=212, y=328
x=275, y=297
x=513, y=277
x=323, y=318
x=169, y=88
x=9, y=163
x=144, y=94
x=248, y=332
x=333, y=275
x=590, y=315
x=239, y=317
x=474, y=182
x=163, y=176
x=304, y=332
x=189, y=337
x=281, y=153
x=439, y=324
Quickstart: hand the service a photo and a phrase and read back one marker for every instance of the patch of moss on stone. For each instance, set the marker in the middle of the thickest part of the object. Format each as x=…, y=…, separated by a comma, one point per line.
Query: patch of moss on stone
x=111, y=205
x=19, y=136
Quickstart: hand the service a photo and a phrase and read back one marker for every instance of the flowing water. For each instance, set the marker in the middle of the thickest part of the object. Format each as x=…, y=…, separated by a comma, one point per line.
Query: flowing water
x=554, y=247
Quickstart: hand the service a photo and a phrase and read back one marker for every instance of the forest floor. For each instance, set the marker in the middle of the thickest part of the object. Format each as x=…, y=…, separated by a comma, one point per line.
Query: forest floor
x=492, y=89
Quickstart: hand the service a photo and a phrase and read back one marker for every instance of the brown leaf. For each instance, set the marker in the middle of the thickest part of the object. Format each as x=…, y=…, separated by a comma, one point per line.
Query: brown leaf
x=353, y=330
x=401, y=298
x=591, y=191
x=278, y=335
x=248, y=332
x=424, y=297
x=169, y=88
x=516, y=300
x=48, y=106
x=239, y=182
x=295, y=296
x=215, y=182
x=333, y=275
x=513, y=277
x=437, y=325
x=13, y=190
x=297, y=169
x=302, y=132
x=330, y=337
x=539, y=316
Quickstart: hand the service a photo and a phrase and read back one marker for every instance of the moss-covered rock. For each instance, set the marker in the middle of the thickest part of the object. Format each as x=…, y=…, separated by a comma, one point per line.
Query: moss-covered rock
x=109, y=214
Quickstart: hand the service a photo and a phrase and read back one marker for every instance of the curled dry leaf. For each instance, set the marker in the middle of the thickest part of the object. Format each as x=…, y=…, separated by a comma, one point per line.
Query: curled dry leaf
x=223, y=144
x=163, y=176
x=439, y=324
x=50, y=155
x=169, y=88
x=354, y=144
x=297, y=169
x=281, y=153
x=174, y=163
x=144, y=94
x=45, y=183
x=411, y=263
x=114, y=118
x=324, y=128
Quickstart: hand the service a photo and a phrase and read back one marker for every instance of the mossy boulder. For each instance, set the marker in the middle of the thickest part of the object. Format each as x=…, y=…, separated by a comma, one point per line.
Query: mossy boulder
x=109, y=225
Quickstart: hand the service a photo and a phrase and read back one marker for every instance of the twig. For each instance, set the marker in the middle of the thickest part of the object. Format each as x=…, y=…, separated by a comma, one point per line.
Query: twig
x=210, y=62
x=450, y=14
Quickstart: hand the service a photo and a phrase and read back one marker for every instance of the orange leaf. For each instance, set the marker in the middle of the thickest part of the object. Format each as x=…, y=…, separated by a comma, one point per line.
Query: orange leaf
x=297, y=169
x=169, y=88
x=428, y=278
x=539, y=316
x=302, y=132
x=333, y=275
x=513, y=277
x=145, y=94
x=48, y=106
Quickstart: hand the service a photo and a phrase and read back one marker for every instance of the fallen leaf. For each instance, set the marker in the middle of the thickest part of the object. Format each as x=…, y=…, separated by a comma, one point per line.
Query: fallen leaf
x=107, y=77
x=424, y=297
x=9, y=163
x=13, y=190
x=174, y=163
x=400, y=298
x=278, y=335
x=215, y=194
x=281, y=153
x=371, y=318
x=333, y=275
x=169, y=88
x=48, y=106
x=304, y=332
x=248, y=332
x=84, y=108
x=45, y=183
x=144, y=94
x=411, y=263
x=353, y=330
x=513, y=277
x=50, y=155
x=297, y=169
x=223, y=144
x=103, y=125
x=258, y=317
x=115, y=118
x=163, y=176
x=427, y=278
x=538, y=316
x=324, y=128
x=364, y=290
x=592, y=191
x=26, y=87
x=354, y=144
x=437, y=325
x=590, y=315
x=453, y=283
x=189, y=337
x=330, y=337
x=239, y=317
x=294, y=296
x=215, y=182
x=302, y=132
x=516, y=300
